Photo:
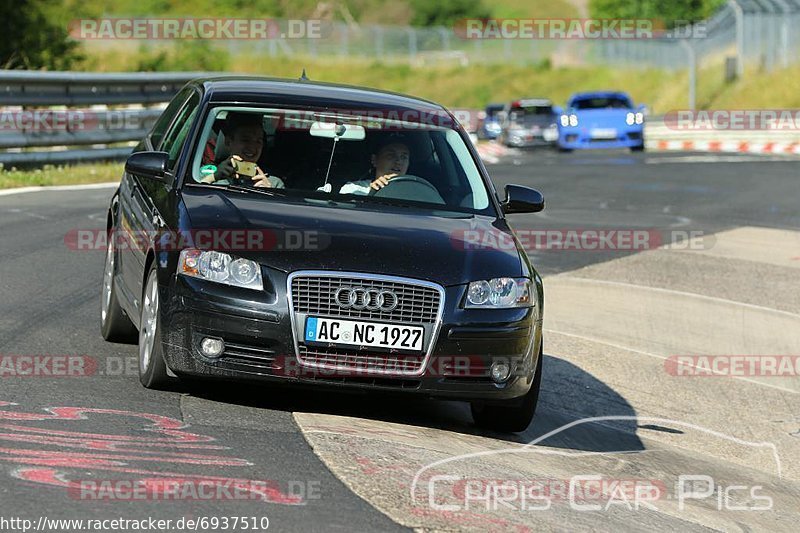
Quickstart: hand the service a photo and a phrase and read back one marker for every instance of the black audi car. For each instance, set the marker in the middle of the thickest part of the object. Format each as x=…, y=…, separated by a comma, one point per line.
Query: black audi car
x=306, y=233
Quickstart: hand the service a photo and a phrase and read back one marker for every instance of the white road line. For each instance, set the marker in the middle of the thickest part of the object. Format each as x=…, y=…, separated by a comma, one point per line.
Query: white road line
x=657, y=356
x=34, y=215
x=680, y=293
x=87, y=186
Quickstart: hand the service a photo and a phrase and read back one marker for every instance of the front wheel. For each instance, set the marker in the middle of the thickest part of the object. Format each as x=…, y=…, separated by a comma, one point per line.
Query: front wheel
x=152, y=369
x=512, y=416
x=115, y=326
x=639, y=148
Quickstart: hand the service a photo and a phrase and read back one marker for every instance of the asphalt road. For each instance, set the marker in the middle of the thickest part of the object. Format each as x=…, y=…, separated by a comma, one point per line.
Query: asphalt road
x=313, y=461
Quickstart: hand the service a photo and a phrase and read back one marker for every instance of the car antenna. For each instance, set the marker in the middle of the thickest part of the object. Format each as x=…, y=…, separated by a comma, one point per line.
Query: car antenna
x=303, y=76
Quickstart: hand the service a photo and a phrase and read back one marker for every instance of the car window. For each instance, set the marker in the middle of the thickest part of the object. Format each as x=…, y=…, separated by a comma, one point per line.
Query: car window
x=429, y=165
x=173, y=140
x=163, y=122
x=613, y=102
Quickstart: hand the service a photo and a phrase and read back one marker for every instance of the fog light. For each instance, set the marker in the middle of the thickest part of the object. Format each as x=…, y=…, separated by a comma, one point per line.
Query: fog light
x=500, y=371
x=212, y=347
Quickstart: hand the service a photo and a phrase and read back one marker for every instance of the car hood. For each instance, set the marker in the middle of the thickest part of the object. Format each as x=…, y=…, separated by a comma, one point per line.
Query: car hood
x=602, y=118
x=535, y=121
x=381, y=240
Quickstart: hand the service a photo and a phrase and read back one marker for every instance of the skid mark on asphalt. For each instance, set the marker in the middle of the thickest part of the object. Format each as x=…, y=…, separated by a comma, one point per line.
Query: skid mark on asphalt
x=165, y=442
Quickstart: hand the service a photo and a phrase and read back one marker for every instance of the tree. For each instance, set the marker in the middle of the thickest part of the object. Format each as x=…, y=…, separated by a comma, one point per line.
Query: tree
x=668, y=12
x=33, y=37
x=446, y=12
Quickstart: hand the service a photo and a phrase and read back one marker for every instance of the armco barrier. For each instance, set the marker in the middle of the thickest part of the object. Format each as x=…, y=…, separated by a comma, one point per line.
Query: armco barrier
x=91, y=94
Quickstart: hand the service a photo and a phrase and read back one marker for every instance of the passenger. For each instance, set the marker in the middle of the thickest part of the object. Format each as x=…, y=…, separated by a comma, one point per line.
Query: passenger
x=244, y=140
x=389, y=160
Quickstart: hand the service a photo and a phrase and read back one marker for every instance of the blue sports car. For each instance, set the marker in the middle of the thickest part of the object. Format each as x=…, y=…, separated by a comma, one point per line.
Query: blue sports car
x=601, y=120
x=490, y=125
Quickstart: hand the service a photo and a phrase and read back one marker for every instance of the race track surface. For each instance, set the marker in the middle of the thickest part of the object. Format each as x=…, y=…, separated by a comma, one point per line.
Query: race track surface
x=717, y=452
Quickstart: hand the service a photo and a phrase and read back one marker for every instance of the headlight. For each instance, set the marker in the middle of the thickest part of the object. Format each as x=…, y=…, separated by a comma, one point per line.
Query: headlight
x=640, y=118
x=500, y=293
x=220, y=267
x=630, y=118
x=573, y=120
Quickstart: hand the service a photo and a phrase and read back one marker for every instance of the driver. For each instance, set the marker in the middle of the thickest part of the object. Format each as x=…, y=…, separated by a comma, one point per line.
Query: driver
x=244, y=140
x=389, y=160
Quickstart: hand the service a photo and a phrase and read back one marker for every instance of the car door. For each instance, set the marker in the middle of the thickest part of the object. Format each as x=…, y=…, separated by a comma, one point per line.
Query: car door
x=140, y=215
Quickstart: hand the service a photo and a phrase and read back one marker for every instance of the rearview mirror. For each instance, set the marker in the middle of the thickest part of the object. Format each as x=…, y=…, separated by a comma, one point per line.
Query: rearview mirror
x=152, y=165
x=342, y=132
x=521, y=199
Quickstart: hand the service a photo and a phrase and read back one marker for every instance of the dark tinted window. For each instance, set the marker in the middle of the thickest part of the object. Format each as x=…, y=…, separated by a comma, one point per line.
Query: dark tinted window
x=614, y=102
x=173, y=141
x=169, y=113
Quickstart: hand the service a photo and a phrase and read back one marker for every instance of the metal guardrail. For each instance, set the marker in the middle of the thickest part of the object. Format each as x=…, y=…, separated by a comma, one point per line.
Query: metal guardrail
x=25, y=93
x=85, y=88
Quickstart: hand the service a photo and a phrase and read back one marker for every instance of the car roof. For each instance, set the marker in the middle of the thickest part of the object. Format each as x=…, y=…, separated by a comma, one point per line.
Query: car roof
x=599, y=94
x=264, y=90
x=531, y=102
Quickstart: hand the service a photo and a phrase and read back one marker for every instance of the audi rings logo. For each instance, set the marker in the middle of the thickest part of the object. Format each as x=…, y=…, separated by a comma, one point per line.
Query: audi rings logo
x=369, y=299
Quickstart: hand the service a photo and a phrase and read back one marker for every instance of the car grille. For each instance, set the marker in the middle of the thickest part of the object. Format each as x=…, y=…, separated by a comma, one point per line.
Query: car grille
x=352, y=363
x=419, y=304
x=315, y=296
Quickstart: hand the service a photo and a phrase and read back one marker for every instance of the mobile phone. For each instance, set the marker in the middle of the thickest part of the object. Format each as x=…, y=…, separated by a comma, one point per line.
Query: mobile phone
x=245, y=168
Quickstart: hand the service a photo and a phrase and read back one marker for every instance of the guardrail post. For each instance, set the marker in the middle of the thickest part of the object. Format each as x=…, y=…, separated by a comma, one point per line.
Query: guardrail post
x=739, y=15
x=692, y=57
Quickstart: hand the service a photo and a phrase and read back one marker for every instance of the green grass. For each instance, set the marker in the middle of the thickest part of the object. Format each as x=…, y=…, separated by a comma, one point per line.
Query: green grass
x=61, y=175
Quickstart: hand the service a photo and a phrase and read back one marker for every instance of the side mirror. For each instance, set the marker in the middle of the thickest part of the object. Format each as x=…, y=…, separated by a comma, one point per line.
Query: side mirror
x=521, y=199
x=558, y=110
x=643, y=109
x=152, y=165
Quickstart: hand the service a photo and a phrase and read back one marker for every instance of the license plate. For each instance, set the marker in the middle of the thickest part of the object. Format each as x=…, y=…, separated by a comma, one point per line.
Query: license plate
x=370, y=334
x=604, y=133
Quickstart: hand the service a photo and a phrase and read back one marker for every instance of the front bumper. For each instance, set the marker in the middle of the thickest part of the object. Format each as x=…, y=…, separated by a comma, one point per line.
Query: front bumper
x=529, y=139
x=260, y=346
x=583, y=138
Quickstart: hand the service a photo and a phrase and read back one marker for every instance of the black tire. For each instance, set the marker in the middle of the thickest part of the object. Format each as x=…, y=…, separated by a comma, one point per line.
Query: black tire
x=512, y=416
x=115, y=326
x=152, y=369
x=564, y=150
x=637, y=148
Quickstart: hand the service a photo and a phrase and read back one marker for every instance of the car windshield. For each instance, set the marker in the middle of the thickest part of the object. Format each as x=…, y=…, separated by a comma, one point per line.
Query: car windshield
x=611, y=102
x=493, y=110
x=424, y=166
x=531, y=111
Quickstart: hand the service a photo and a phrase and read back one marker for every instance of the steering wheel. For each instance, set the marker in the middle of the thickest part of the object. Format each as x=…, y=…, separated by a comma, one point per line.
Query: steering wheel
x=408, y=187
